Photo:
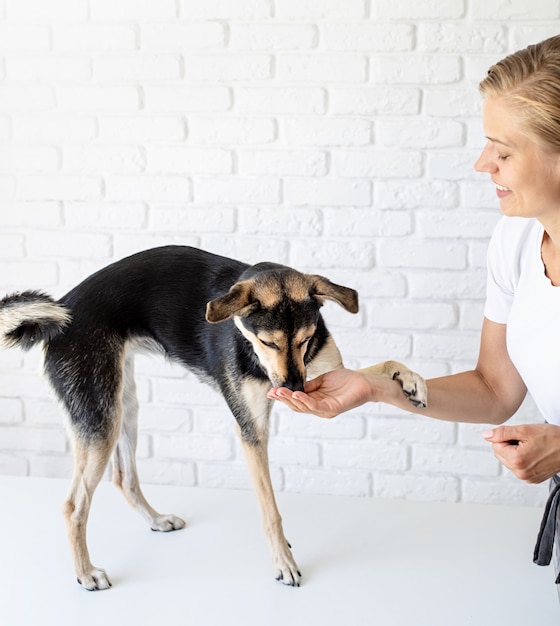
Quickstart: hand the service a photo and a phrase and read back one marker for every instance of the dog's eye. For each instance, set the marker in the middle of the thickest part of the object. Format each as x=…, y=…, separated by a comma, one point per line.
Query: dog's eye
x=269, y=344
x=305, y=341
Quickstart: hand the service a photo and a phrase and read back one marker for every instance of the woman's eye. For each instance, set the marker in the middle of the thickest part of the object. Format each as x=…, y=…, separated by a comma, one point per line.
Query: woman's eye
x=503, y=157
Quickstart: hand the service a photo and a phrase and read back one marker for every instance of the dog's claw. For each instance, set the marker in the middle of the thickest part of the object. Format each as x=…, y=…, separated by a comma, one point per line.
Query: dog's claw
x=96, y=580
x=414, y=388
x=167, y=523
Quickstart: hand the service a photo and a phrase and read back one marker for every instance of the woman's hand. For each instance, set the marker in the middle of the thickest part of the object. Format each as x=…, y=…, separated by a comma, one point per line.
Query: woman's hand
x=530, y=451
x=329, y=394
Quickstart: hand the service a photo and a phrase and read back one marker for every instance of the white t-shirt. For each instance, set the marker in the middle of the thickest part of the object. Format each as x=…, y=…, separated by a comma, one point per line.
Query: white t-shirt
x=520, y=295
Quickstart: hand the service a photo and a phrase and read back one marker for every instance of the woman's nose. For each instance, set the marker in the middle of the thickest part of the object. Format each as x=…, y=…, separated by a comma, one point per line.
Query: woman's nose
x=485, y=163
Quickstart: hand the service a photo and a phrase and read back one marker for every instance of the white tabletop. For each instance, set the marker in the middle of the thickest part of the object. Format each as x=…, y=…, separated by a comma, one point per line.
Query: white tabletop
x=364, y=561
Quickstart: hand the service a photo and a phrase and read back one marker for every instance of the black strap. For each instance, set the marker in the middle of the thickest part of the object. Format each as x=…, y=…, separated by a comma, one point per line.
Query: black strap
x=545, y=540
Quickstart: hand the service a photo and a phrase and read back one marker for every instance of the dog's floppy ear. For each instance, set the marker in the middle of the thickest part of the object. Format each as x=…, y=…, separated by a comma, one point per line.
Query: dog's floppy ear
x=238, y=301
x=322, y=288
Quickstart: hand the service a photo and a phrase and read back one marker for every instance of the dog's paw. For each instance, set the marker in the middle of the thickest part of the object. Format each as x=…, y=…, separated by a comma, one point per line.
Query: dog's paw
x=414, y=387
x=286, y=570
x=167, y=523
x=96, y=580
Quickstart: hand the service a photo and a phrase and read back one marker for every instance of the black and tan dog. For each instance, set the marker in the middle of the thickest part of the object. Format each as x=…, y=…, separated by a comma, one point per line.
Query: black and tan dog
x=240, y=328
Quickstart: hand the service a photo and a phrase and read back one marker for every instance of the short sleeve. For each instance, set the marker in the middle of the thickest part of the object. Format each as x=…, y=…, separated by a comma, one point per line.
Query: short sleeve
x=501, y=279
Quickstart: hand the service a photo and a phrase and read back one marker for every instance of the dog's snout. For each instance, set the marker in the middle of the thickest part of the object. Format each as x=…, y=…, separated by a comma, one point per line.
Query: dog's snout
x=293, y=383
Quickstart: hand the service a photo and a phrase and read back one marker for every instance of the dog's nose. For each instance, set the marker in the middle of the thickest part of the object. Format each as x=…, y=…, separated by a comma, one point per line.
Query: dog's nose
x=293, y=383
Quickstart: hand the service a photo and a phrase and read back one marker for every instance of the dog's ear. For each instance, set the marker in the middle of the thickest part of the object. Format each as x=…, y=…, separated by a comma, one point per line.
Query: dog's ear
x=239, y=300
x=321, y=288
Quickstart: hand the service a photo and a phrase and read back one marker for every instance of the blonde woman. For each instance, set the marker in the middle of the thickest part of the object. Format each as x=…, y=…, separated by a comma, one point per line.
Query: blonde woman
x=520, y=339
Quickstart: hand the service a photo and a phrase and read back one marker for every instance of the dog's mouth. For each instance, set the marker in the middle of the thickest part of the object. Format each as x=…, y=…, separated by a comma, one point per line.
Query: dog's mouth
x=291, y=383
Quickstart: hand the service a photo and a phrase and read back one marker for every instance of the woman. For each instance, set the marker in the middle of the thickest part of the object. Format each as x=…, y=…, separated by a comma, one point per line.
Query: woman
x=520, y=340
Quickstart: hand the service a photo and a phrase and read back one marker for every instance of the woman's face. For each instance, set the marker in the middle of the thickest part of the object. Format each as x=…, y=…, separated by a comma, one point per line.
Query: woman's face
x=527, y=176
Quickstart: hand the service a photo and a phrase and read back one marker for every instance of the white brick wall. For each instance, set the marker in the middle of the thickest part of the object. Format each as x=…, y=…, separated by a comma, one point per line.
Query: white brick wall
x=334, y=135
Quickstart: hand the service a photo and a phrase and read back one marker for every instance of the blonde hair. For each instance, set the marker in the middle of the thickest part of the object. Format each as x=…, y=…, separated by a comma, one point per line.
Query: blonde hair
x=529, y=80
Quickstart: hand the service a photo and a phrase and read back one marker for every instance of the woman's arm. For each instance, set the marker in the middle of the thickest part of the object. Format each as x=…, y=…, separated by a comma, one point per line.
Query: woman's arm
x=489, y=394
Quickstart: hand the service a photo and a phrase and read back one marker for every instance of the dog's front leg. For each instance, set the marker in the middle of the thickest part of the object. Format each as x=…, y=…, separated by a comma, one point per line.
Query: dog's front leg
x=285, y=567
x=413, y=385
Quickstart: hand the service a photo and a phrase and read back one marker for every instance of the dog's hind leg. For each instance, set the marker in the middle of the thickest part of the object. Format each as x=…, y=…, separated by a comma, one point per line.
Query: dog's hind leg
x=125, y=474
x=254, y=441
x=90, y=463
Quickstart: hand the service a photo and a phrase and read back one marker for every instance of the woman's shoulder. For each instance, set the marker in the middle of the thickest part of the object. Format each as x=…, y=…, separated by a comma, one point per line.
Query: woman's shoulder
x=513, y=236
x=516, y=229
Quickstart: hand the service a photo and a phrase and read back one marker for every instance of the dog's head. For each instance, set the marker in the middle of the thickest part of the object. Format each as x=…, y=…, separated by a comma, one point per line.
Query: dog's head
x=276, y=309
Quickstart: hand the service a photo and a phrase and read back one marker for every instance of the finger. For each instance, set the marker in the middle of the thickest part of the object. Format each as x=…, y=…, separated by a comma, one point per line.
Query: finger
x=503, y=434
x=313, y=385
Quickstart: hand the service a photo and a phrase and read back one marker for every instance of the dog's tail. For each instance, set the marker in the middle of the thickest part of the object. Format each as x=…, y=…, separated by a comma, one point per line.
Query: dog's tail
x=30, y=317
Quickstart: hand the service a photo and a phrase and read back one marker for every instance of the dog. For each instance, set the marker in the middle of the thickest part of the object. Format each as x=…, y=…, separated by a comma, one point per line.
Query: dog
x=240, y=328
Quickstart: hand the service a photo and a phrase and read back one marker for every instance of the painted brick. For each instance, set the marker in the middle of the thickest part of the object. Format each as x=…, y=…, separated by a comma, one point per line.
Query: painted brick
x=237, y=190
x=13, y=465
x=99, y=98
x=419, y=10
x=191, y=219
x=469, y=461
x=282, y=162
x=280, y=100
x=419, y=133
x=369, y=455
x=263, y=36
x=344, y=9
x=40, y=69
x=368, y=37
x=325, y=481
x=54, y=128
x=184, y=160
x=11, y=411
x=103, y=215
x=325, y=68
x=132, y=9
x=374, y=100
x=181, y=36
x=24, y=274
x=223, y=9
x=24, y=37
x=94, y=158
x=20, y=214
x=68, y=244
x=36, y=188
x=366, y=222
x=327, y=192
x=260, y=220
x=148, y=189
x=231, y=130
x=417, y=315
x=136, y=68
x=17, y=98
x=516, y=10
x=451, y=38
x=228, y=67
x=141, y=128
x=326, y=131
x=416, y=68
x=187, y=99
x=377, y=163
x=74, y=10
x=192, y=447
x=422, y=254
x=94, y=37
x=416, y=488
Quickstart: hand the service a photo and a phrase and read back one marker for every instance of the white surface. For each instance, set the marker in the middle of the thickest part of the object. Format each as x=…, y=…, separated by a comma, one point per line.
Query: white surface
x=364, y=561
